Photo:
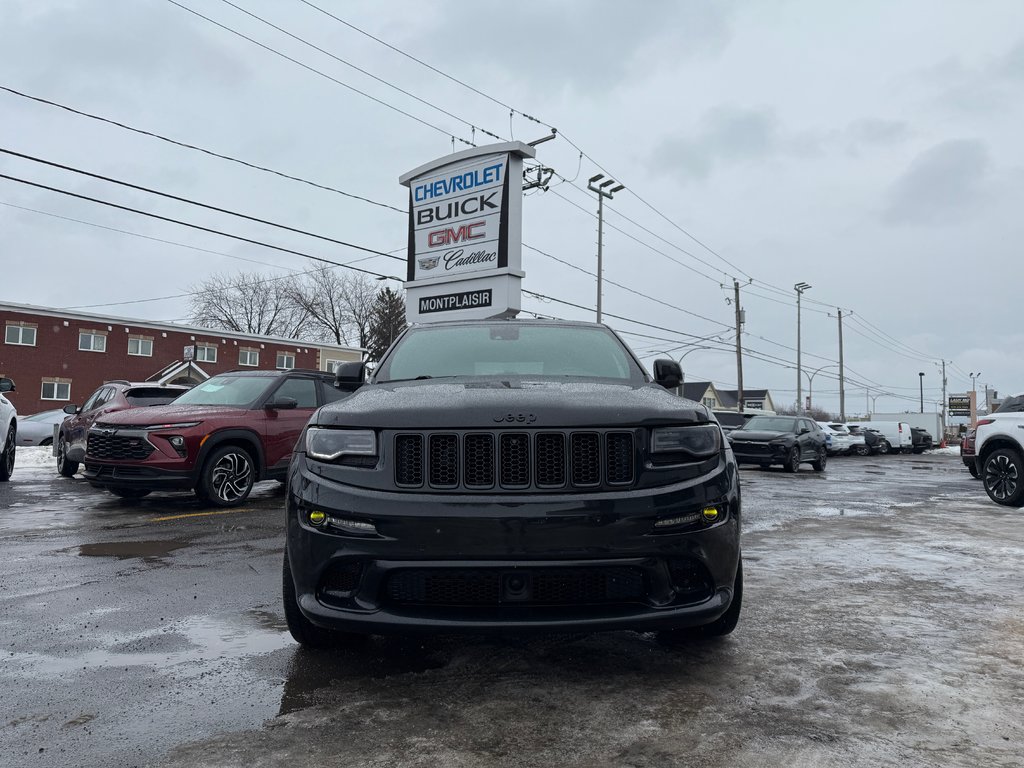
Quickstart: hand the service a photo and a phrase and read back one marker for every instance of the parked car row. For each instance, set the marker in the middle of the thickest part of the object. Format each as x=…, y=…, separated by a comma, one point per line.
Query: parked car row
x=216, y=439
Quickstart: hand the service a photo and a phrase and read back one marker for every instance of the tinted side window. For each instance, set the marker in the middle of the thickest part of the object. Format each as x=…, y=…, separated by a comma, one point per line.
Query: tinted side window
x=303, y=390
x=1012, y=405
x=93, y=398
x=103, y=396
x=330, y=394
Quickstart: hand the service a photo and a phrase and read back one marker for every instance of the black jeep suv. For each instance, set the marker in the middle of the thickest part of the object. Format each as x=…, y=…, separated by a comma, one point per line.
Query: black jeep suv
x=504, y=475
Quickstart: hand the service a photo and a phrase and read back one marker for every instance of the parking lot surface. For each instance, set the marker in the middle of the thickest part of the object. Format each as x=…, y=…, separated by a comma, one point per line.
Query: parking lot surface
x=883, y=625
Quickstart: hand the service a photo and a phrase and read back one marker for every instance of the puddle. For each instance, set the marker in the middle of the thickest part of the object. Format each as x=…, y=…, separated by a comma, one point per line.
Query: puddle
x=125, y=550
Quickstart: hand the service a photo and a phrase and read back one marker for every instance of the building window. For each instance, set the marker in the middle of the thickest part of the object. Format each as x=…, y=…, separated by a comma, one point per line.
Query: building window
x=25, y=335
x=331, y=365
x=285, y=360
x=91, y=341
x=249, y=357
x=709, y=402
x=206, y=353
x=140, y=347
x=56, y=389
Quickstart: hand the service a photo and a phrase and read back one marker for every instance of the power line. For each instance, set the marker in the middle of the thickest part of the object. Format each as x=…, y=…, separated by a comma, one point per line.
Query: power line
x=381, y=80
x=425, y=64
x=323, y=74
x=204, y=229
x=188, y=201
x=195, y=148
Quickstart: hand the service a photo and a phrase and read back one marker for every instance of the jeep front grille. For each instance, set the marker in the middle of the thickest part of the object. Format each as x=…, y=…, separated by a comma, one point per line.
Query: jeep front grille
x=515, y=460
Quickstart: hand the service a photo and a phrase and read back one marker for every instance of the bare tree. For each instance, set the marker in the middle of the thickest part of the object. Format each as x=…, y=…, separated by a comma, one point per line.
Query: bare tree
x=249, y=302
x=339, y=305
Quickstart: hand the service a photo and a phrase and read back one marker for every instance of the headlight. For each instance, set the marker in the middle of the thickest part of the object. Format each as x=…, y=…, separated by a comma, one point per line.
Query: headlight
x=701, y=441
x=331, y=444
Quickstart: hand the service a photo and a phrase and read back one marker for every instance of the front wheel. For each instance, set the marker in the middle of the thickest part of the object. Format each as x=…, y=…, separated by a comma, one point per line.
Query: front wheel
x=884, y=447
x=65, y=467
x=819, y=463
x=861, y=450
x=1004, y=477
x=792, y=460
x=7, y=457
x=228, y=476
x=973, y=469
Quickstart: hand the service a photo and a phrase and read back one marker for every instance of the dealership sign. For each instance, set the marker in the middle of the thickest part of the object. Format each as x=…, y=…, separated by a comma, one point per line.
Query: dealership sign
x=960, y=405
x=465, y=234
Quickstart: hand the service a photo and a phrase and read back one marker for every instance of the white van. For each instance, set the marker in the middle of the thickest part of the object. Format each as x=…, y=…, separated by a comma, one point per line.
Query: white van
x=897, y=435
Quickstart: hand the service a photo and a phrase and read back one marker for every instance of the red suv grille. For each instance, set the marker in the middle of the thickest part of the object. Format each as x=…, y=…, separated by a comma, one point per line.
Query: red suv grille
x=100, y=445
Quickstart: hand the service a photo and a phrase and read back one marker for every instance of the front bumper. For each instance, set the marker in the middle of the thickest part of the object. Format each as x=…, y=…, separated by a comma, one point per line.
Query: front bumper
x=111, y=475
x=748, y=452
x=504, y=562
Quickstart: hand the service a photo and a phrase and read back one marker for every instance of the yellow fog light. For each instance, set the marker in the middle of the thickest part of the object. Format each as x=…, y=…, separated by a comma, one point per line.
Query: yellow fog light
x=317, y=517
x=710, y=514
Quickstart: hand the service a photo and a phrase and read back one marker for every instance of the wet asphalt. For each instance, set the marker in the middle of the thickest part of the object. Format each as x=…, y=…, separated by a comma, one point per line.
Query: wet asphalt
x=882, y=625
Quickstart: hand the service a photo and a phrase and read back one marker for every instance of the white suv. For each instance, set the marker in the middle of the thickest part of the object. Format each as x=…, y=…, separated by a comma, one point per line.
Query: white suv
x=8, y=430
x=999, y=447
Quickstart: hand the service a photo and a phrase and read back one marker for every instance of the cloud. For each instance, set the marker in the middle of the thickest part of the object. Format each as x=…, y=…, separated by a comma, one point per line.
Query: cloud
x=983, y=88
x=582, y=44
x=942, y=185
x=731, y=135
x=878, y=132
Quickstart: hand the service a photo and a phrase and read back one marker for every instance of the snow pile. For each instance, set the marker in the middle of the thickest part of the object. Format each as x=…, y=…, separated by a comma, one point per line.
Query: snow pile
x=35, y=457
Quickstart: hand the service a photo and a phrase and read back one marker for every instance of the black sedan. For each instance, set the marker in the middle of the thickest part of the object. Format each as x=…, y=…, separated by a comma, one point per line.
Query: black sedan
x=785, y=440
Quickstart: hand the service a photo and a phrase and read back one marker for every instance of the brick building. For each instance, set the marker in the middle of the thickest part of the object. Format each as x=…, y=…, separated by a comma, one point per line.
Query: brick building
x=58, y=356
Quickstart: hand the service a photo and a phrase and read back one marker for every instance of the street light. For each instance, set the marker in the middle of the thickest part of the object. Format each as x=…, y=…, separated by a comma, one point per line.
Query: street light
x=810, y=382
x=920, y=379
x=602, y=192
x=799, y=288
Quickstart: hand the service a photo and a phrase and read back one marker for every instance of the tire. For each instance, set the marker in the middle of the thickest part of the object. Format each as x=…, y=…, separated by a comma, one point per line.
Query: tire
x=883, y=447
x=973, y=469
x=227, y=477
x=303, y=631
x=1003, y=476
x=793, y=460
x=819, y=465
x=47, y=441
x=129, y=493
x=7, y=457
x=65, y=467
x=720, y=627
x=862, y=450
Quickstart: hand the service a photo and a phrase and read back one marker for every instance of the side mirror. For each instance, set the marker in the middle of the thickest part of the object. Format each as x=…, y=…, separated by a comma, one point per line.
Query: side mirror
x=804, y=430
x=71, y=410
x=7, y=385
x=667, y=373
x=349, y=376
x=282, y=404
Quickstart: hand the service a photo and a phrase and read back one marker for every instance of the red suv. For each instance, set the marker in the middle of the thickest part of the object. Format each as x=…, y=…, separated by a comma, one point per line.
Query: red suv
x=113, y=396
x=217, y=439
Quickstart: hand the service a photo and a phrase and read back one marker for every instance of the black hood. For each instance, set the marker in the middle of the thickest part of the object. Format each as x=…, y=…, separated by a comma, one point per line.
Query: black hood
x=464, y=403
x=758, y=436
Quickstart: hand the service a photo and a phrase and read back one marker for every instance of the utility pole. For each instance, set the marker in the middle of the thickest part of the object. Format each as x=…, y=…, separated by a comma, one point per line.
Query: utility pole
x=799, y=288
x=920, y=379
x=602, y=192
x=739, y=348
x=944, y=401
x=842, y=376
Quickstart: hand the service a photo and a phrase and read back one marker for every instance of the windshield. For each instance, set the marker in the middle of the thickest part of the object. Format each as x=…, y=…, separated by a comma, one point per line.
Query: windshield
x=151, y=396
x=508, y=349
x=1012, y=405
x=43, y=415
x=771, y=424
x=227, y=390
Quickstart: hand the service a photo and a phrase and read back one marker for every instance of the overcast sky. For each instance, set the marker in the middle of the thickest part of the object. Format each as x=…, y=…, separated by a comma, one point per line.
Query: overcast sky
x=872, y=150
